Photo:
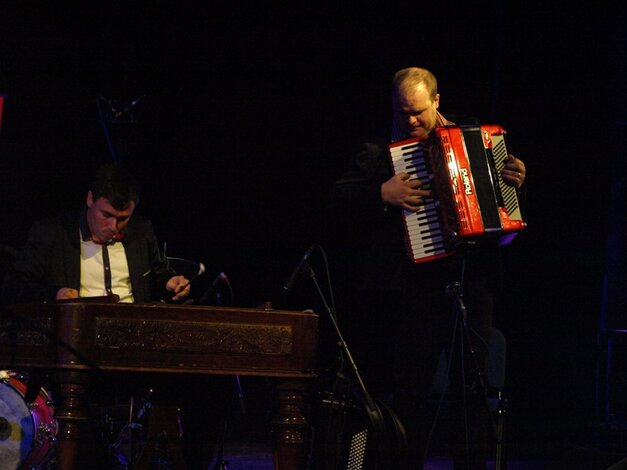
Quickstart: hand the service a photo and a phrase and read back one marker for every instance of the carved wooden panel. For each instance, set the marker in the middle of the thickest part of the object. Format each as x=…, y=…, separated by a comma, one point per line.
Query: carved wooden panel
x=35, y=332
x=172, y=335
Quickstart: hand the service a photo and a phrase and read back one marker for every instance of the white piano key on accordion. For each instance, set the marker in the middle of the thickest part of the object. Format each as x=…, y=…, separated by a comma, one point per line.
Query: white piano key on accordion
x=424, y=232
x=421, y=251
x=422, y=217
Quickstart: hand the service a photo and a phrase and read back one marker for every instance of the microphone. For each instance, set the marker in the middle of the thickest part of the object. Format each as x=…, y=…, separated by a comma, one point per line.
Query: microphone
x=211, y=288
x=201, y=269
x=137, y=100
x=287, y=287
x=219, y=277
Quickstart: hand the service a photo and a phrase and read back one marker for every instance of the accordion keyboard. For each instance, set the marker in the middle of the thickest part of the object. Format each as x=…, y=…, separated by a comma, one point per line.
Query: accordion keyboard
x=423, y=227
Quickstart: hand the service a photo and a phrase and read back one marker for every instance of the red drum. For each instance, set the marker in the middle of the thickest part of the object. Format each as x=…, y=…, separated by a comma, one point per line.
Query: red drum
x=27, y=430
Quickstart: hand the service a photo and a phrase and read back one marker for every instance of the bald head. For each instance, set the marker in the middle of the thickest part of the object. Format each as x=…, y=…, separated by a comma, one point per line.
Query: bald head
x=415, y=101
x=414, y=76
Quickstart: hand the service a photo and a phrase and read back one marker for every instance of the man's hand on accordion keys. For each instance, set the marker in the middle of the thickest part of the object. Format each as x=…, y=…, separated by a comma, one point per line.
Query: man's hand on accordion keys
x=514, y=171
x=403, y=191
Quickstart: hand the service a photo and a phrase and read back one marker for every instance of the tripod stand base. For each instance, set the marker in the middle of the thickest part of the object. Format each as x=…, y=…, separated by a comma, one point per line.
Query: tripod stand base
x=163, y=421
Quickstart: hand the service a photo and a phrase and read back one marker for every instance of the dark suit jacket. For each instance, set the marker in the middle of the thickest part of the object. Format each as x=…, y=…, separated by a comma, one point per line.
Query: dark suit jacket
x=51, y=260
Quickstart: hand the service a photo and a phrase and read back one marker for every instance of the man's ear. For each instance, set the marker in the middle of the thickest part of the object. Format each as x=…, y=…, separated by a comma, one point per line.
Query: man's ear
x=90, y=199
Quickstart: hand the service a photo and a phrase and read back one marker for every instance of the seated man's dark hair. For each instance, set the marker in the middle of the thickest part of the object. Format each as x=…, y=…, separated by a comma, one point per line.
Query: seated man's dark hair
x=116, y=185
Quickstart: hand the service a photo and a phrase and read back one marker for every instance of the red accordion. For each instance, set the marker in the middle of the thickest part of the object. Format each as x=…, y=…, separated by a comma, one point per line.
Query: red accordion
x=462, y=166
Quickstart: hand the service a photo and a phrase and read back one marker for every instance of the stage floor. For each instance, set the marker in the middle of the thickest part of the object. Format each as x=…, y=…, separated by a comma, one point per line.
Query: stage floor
x=257, y=456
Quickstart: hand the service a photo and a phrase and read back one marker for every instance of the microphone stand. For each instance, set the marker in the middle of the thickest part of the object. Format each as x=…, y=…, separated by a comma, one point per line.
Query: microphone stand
x=341, y=342
x=222, y=464
x=117, y=116
x=454, y=290
x=374, y=412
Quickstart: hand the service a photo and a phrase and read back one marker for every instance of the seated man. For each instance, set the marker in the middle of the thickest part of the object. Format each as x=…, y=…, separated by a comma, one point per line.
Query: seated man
x=103, y=249
x=100, y=250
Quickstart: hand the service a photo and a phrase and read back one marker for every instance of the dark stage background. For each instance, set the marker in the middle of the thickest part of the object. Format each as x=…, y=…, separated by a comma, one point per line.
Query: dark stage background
x=245, y=114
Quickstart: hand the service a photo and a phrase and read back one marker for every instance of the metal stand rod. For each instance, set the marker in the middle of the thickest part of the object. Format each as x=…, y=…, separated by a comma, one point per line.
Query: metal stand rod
x=455, y=292
x=221, y=464
x=373, y=410
x=372, y=406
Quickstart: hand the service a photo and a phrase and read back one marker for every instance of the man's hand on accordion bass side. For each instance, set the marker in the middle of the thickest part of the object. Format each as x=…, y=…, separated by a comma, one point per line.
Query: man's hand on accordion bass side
x=402, y=191
x=514, y=171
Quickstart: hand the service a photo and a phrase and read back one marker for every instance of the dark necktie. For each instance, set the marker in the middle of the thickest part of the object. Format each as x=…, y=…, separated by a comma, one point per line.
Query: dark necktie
x=107, y=269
